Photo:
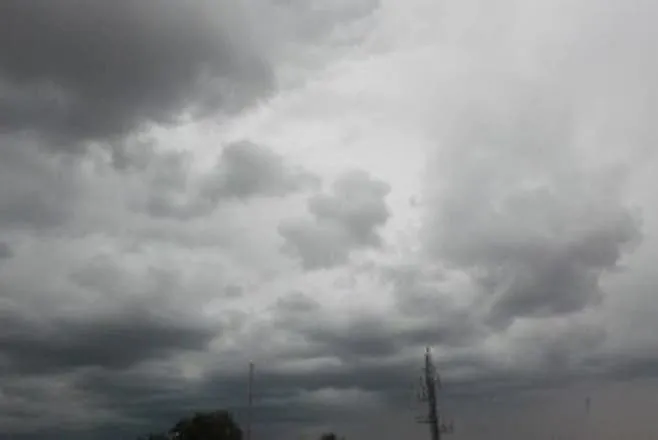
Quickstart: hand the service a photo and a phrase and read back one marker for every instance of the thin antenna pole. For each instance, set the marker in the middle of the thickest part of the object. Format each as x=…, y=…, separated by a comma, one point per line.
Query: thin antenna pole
x=249, y=400
x=588, y=429
x=430, y=384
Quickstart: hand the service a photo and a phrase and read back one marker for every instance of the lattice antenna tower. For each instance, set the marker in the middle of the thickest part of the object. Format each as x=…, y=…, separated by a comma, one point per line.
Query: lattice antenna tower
x=430, y=383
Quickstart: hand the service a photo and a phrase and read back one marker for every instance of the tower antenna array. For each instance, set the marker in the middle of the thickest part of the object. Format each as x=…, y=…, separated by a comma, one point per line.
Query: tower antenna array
x=429, y=384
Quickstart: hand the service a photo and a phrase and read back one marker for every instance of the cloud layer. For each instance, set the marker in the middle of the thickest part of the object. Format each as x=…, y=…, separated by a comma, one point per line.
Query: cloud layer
x=78, y=78
x=325, y=188
x=344, y=220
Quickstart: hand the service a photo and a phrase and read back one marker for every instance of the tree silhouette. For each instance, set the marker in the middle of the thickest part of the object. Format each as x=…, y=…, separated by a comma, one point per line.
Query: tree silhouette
x=329, y=436
x=216, y=425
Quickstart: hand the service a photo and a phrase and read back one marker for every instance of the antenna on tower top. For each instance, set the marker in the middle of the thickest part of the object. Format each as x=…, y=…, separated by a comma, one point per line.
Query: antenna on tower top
x=430, y=383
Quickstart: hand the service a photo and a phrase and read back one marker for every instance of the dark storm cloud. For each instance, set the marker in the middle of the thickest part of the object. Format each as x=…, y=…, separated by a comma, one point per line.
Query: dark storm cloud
x=375, y=337
x=81, y=70
x=365, y=336
x=154, y=402
x=151, y=399
x=633, y=369
x=30, y=406
x=519, y=216
x=244, y=171
x=562, y=280
x=108, y=340
x=344, y=220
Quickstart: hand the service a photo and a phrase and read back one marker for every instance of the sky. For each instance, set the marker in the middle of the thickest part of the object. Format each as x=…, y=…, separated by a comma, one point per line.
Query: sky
x=325, y=187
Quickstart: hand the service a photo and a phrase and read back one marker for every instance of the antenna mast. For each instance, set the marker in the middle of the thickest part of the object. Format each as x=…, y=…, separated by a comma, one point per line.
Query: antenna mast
x=249, y=400
x=428, y=393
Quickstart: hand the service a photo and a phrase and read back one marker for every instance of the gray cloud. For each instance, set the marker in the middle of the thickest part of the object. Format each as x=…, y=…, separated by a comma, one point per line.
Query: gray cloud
x=233, y=291
x=5, y=251
x=523, y=219
x=151, y=397
x=36, y=192
x=564, y=280
x=155, y=402
x=355, y=339
x=115, y=340
x=244, y=171
x=344, y=220
x=99, y=313
x=94, y=70
x=320, y=21
x=555, y=354
x=134, y=323
x=517, y=211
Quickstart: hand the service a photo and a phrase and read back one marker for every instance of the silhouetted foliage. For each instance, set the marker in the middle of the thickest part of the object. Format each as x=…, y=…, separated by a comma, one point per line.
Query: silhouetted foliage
x=329, y=436
x=217, y=425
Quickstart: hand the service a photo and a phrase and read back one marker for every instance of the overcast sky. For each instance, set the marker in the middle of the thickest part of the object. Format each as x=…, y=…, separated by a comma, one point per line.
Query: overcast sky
x=325, y=187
